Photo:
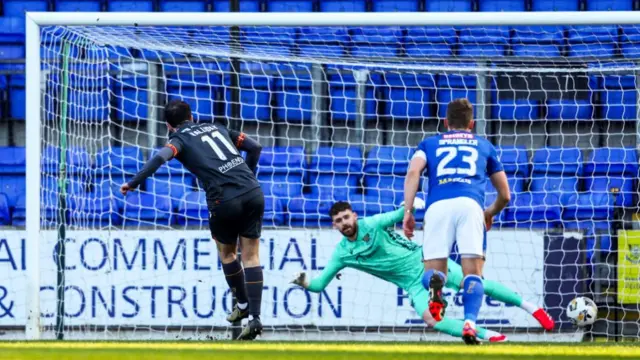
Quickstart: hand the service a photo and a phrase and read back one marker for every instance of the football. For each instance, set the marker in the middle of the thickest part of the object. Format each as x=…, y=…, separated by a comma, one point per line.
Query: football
x=582, y=311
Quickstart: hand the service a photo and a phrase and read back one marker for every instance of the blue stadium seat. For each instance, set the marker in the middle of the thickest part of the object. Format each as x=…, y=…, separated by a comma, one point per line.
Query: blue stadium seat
x=183, y=5
x=609, y=5
x=130, y=5
x=294, y=97
x=410, y=96
x=385, y=189
x=515, y=160
x=589, y=206
x=448, y=5
x=343, y=6
x=387, y=160
x=555, y=5
x=17, y=8
x=274, y=214
x=366, y=205
x=131, y=98
x=255, y=97
x=487, y=41
x=144, y=209
x=429, y=50
x=12, y=37
x=200, y=90
x=450, y=87
x=569, y=109
x=310, y=212
x=612, y=171
x=334, y=172
x=245, y=5
x=12, y=173
x=592, y=40
x=193, y=209
x=17, y=96
x=618, y=97
x=630, y=41
x=82, y=90
x=516, y=185
x=558, y=160
x=290, y=5
x=396, y=5
x=171, y=180
x=342, y=92
x=620, y=188
x=538, y=35
x=376, y=41
x=431, y=35
x=501, y=5
x=5, y=217
x=322, y=50
x=116, y=165
x=535, y=50
x=563, y=187
x=323, y=35
x=78, y=5
x=92, y=211
x=283, y=167
x=529, y=212
x=516, y=109
x=19, y=215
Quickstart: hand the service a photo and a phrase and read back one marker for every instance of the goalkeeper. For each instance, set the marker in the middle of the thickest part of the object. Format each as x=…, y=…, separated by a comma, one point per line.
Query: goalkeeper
x=373, y=246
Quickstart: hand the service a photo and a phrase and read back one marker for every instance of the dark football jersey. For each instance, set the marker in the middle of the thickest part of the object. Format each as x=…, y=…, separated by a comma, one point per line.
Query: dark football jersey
x=210, y=152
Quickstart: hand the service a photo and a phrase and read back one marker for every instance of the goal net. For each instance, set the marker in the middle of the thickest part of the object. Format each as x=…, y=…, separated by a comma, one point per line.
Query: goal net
x=338, y=110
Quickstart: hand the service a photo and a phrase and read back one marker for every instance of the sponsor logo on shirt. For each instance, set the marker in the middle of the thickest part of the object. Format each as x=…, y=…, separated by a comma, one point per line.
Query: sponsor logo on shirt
x=231, y=164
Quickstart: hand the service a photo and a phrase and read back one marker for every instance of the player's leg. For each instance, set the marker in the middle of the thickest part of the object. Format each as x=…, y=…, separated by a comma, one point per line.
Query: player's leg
x=225, y=233
x=438, y=235
x=420, y=299
x=499, y=292
x=253, y=210
x=471, y=240
x=503, y=294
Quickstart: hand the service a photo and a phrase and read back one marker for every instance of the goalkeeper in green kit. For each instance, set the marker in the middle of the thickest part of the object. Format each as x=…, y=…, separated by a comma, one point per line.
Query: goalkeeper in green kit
x=372, y=245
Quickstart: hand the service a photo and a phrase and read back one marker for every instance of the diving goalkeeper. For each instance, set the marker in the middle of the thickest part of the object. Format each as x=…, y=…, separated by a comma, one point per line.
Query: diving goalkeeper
x=373, y=246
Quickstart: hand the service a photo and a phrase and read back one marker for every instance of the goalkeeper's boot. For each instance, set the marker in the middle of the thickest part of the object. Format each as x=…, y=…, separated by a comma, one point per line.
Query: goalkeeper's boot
x=437, y=305
x=469, y=334
x=544, y=319
x=498, y=338
x=252, y=330
x=238, y=314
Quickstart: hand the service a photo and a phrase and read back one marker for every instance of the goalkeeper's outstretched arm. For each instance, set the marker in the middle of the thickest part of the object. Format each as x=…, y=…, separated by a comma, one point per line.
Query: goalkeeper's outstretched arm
x=164, y=155
x=320, y=283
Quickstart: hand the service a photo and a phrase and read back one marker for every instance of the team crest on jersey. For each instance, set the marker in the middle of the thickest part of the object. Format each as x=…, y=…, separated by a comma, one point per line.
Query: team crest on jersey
x=634, y=254
x=366, y=238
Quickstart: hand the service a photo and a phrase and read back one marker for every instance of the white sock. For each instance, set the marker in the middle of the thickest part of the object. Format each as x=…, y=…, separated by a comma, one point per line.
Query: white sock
x=490, y=333
x=242, y=306
x=472, y=323
x=529, y=307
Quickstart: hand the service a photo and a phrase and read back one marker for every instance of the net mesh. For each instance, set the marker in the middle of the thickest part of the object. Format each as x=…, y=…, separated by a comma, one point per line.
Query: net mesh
x=338, y=110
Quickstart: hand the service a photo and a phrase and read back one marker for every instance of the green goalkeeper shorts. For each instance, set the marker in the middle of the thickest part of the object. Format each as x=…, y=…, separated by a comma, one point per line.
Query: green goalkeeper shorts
x=419, y=297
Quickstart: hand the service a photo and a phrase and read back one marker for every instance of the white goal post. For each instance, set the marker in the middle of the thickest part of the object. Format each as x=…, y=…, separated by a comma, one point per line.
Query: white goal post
x=36, y=81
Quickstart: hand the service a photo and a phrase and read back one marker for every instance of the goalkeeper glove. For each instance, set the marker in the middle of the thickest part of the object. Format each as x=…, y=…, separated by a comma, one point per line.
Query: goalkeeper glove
x=301, y=280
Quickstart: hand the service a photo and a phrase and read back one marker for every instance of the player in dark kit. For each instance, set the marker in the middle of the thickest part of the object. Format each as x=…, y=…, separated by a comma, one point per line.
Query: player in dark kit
x=234, y=199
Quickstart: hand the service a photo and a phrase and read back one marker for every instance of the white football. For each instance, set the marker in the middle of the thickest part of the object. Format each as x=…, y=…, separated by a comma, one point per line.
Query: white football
x=582, y=311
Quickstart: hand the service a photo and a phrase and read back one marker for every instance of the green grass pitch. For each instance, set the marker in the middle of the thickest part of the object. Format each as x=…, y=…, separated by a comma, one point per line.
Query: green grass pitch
x=307, y=351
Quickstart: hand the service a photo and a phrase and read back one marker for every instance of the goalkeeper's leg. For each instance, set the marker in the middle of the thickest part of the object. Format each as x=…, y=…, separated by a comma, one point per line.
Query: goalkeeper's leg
x=420, y=301
x=501, y=293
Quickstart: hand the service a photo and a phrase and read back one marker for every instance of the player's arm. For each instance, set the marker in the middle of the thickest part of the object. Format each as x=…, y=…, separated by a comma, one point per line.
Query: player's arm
x=499, y=181
x=411, y=182
x=320, y=283
x=164, y=155
x=251, y=146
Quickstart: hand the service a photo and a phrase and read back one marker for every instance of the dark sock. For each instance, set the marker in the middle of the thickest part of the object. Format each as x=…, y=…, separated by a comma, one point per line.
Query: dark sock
x=234, y=274
x=254, y=289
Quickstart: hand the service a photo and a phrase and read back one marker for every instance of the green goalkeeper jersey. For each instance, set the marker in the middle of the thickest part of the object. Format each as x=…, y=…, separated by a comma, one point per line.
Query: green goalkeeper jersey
x=378, y=250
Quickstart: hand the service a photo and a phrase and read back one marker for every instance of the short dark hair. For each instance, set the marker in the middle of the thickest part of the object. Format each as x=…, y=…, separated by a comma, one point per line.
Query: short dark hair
x=339, y=207
x=459, y=113
x=176, y=112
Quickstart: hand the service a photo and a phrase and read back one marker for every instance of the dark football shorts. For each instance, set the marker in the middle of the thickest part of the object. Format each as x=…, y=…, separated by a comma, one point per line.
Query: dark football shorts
x=240, y=216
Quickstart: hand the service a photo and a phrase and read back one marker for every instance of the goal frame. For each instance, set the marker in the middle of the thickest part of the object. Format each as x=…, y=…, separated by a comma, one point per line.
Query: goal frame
x=34, y=81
